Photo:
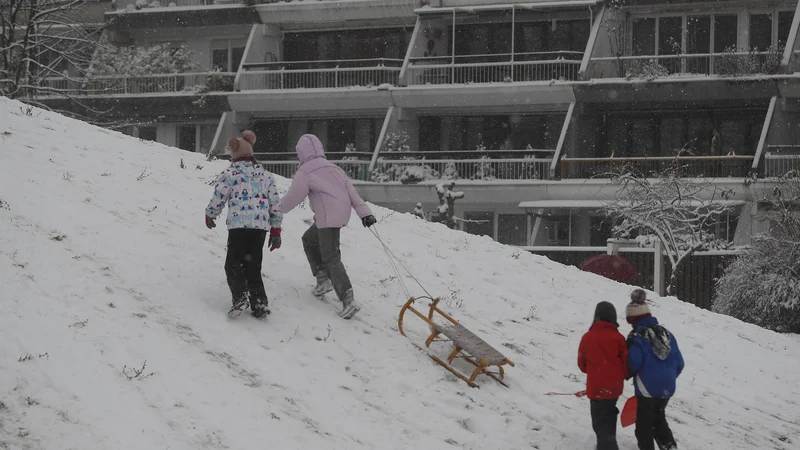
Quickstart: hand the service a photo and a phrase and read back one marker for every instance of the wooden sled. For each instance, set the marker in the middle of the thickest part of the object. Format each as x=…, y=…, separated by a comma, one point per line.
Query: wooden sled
x=471, y=348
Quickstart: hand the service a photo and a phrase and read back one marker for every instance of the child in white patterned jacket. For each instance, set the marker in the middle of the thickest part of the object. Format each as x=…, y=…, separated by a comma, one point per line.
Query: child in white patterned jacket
x=254, y=207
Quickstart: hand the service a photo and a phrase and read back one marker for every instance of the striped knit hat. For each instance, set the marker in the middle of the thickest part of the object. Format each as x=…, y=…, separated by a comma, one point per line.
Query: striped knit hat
x=637, y=309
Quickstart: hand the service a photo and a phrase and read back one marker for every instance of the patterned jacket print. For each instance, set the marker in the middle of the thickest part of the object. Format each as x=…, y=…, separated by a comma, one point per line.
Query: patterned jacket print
x=252, y=197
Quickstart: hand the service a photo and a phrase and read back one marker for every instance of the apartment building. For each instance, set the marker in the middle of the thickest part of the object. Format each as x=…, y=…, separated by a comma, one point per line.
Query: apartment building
x=527, y=105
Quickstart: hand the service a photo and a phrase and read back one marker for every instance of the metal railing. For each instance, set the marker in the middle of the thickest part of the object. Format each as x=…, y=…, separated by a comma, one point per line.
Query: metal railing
x=414, y=170
x=100, y=86
x=684, y=166
x=495, y=68
x=139, y=5
x=651, y=66
x=778, y=165
x=319, y=74
x=355, y=169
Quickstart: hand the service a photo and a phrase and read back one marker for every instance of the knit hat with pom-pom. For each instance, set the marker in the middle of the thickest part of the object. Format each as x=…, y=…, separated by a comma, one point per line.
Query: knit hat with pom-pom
x=637, y=309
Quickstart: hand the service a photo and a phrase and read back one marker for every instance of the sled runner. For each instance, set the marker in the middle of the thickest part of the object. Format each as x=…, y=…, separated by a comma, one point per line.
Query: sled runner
x=466, y=344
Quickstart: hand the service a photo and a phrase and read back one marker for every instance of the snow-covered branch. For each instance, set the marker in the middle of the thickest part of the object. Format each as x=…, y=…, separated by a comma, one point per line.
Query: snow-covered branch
x=681, y=213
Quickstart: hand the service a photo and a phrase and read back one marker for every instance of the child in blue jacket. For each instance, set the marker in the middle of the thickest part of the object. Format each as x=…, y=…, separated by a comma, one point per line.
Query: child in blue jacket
x=654, y=363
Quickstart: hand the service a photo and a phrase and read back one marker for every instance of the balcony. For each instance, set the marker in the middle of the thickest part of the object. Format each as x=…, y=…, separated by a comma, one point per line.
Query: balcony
x=497, y=68
x=780, y=160
x=150, y=85
x=729, y=64
x=685, y=166
x=143, y=5
x=415, y=167
x=363, y=73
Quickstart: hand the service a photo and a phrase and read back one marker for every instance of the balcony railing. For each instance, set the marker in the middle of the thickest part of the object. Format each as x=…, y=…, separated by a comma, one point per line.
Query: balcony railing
x=101, y=86
x=684, y=166
x=320, y=74
x=355, y=169
x=139, y=5
x=416, y=170
x=503, y=68
x=778, y=165
x=485, y=169
x=721, y=64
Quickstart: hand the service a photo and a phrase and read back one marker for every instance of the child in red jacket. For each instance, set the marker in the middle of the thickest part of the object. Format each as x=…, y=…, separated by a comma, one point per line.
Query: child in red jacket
x=603, y=356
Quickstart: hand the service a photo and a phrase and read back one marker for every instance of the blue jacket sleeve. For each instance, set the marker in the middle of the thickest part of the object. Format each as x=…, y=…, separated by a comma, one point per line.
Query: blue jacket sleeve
x=635, y=357
x=678, y=355
x=222, y=192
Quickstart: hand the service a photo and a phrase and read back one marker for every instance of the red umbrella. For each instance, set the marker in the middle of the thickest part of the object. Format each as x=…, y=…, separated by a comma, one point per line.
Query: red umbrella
x=613, y=267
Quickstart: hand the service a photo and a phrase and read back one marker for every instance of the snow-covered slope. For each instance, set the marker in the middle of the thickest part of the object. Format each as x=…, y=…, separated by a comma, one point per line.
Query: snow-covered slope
x=105, y=263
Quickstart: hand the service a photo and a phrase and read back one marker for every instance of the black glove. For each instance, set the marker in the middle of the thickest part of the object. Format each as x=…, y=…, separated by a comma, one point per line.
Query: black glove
x=369, y=221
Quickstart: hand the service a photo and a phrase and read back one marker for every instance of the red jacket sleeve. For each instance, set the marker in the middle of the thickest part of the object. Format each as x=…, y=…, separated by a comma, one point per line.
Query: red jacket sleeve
x=623, y=353
x=582, y=355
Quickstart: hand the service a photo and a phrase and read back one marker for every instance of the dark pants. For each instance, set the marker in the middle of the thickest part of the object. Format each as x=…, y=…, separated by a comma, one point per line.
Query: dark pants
x=651, y=423
x=322, y=250
x=604, y=423
x=243, y=265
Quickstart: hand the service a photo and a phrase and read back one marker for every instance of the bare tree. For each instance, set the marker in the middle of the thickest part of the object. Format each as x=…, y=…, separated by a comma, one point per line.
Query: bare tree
x=681, y=213
x=46, y=48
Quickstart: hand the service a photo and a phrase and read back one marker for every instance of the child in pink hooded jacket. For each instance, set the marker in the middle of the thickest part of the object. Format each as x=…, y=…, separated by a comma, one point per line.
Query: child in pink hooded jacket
x=332, y=196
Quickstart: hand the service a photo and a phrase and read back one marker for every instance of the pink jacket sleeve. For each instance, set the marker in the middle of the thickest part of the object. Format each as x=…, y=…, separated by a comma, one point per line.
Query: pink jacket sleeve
x=298, y=191
x=357, y=202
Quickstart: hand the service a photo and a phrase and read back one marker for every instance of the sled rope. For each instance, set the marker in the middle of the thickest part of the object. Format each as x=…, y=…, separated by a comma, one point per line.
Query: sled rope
x=392, y=258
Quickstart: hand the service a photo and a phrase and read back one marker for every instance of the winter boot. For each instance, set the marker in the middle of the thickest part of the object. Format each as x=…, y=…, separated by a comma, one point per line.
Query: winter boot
x=349, y=306
x=261, y=309
x=239, y=305
x=324, y=284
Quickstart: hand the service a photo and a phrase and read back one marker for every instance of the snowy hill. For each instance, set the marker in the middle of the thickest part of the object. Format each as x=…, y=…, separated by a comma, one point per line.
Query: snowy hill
x=105, y=263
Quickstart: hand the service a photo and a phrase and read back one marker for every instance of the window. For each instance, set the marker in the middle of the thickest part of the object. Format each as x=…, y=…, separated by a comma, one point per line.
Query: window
x=148, y=133
x=600, y=231
x=479, y=223
x=340, y=133
x=187, y=136
x=698, y=34
x=346, y=44
x=227, y=55
x=760, y=32
x=671, y=136
x=430, y=133
x=670, y=36
x=571, y=35
x=512, y=229
x=644, y=36
x=725, y=33
x=207, y=133
x=273, y=136
x=785, y=19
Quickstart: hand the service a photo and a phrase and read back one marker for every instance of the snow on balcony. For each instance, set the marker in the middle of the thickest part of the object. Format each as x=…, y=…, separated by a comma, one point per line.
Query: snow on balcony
x=693, y=65
x=166, y=84
x=145, y=5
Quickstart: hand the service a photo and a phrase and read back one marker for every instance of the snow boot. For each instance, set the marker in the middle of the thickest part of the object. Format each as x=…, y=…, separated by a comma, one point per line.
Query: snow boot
x=239, y=306
x=349, y=306
x=323, y=286
x=261, y=309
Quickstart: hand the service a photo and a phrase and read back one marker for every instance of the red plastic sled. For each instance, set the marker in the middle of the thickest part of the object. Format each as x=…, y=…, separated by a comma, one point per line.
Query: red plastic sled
x=628, y=416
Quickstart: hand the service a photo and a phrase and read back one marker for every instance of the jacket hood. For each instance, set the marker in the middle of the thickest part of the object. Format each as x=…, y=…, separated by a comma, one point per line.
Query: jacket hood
x=645, y=322
x=309, y=147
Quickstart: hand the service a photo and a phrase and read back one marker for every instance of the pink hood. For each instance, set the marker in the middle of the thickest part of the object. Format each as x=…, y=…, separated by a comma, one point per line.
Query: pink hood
x=329, y=190
x=309, y=147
